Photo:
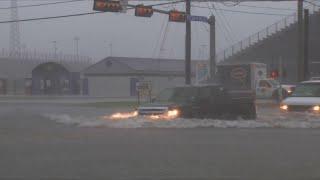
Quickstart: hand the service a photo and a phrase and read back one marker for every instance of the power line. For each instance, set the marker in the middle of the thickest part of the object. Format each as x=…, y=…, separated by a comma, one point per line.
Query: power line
x=51, y=17
x=312, y=3
x=273, y=8
x=244, y=12
x=42, y=4
x=226, y=22
x=71, y=15
x=157, y=44
x=72, y=1
x=163, y=40
x=222, y=26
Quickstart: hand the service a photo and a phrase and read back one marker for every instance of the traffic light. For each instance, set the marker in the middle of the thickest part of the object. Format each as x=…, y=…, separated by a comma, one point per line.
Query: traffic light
x=107, y=6
x=177, y=16
x=274, y=74
x=143, y=11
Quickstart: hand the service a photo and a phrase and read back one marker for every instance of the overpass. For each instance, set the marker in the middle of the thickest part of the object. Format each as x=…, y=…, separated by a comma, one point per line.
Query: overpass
x=279, y=40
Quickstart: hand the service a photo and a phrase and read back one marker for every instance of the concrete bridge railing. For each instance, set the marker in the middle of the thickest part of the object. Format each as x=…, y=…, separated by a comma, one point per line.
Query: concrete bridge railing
x=259, y=36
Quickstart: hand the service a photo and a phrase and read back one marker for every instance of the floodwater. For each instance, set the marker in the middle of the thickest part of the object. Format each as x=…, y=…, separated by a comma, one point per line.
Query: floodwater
x=76, y=142
x=268, y=117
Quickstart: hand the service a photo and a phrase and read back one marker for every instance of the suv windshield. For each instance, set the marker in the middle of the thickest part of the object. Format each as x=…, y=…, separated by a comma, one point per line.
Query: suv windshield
x=182, y=94
x=307, y=90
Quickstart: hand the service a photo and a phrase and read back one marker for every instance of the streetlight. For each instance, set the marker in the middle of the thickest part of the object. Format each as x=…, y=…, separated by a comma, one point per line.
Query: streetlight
x=76, y=41
x=55, y=48
x=110, y=46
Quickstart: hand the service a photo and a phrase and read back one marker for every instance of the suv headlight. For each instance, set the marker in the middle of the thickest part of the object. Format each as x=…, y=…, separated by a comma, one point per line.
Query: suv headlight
x=316, y=108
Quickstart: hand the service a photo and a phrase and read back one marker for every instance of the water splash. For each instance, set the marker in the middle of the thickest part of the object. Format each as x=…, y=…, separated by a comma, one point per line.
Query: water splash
x=271, y=121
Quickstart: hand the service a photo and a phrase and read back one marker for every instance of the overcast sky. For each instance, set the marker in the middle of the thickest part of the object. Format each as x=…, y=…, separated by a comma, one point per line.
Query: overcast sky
x=135, y=36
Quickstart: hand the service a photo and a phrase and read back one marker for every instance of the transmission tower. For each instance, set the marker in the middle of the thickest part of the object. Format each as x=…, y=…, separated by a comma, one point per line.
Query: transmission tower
x=14, y=31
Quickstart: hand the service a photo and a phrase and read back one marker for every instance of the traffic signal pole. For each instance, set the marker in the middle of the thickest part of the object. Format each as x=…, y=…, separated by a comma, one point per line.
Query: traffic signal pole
x=188, y=44
x=300, y=41
x=212, y=22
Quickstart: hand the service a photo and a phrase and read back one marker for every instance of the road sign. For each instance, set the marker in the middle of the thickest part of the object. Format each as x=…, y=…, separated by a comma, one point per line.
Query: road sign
x=198, y=18
x=143, y=86
x=144, y=89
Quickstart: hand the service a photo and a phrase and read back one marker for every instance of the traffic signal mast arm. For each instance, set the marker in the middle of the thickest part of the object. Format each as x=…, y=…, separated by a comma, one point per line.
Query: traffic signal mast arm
x=114, y=6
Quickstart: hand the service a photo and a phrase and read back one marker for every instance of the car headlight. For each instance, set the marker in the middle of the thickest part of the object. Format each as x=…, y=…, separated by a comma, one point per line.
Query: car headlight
x=173, y=113
x=316, y=108
x=284, y=107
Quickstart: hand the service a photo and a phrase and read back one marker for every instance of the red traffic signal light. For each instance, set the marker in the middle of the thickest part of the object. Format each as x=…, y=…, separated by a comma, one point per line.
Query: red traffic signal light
x=177, y=16
x=99, y=5
x=274, y=74
x=107, y=6
x=143, y=11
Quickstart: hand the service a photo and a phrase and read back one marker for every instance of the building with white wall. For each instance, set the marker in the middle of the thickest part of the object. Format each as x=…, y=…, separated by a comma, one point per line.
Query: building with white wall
x=118, y=76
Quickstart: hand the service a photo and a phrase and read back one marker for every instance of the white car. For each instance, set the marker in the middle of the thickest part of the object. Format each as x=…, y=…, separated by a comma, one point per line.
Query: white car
x=305, y=97
x=269, y=88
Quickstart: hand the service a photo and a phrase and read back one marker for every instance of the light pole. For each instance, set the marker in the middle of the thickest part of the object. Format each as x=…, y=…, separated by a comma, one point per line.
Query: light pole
x=55, y=48
x=110, y=46
x=76, y=42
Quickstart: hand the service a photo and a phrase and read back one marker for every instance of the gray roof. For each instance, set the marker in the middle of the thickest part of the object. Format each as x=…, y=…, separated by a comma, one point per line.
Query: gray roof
x=146, y=66
x=16, y=68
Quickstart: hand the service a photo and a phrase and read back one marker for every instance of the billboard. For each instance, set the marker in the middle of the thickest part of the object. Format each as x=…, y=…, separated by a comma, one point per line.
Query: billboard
x=202, y=72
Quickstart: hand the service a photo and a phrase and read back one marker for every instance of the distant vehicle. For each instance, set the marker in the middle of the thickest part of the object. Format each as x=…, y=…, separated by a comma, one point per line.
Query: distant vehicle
x=243, y=76
x=270, y=88
x=251, y=76
x=205, y=101
x=306, y=97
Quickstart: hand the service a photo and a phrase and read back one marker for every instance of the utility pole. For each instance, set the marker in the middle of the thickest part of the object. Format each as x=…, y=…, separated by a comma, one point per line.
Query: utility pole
x=212, y=22
x=15, y=46
x=306, y=44
x=280, y=70
x=300, y=68
x=188, y=43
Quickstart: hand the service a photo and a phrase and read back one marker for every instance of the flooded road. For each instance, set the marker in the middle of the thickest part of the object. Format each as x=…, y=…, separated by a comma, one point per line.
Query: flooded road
x=269, y=116
x=75, y=142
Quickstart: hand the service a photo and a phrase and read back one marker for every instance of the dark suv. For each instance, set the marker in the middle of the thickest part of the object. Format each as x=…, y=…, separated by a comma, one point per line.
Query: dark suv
x=205, y=101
